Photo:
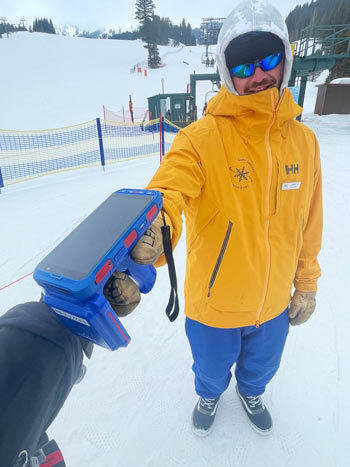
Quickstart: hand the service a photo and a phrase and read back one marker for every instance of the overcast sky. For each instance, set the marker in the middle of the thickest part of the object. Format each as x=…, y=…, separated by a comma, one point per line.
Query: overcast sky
x=120, y=13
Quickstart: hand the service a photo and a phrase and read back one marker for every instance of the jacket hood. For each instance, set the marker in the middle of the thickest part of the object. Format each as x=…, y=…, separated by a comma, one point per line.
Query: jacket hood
x=254, y=109
x=252, y=15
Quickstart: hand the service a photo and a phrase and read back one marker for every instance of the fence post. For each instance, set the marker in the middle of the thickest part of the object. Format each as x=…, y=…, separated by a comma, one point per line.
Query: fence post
x=160, y=138
x=1, y=181
x=163, y=143
x=100, y=142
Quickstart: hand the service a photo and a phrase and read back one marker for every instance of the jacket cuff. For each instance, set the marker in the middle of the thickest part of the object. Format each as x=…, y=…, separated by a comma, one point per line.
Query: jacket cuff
x=305, y=286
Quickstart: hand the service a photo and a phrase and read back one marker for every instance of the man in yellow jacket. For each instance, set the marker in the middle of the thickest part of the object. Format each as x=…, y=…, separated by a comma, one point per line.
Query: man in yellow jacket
x=247, y=177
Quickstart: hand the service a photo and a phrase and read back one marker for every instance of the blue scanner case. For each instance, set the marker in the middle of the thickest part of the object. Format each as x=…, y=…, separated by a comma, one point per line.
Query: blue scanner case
x=74, y=274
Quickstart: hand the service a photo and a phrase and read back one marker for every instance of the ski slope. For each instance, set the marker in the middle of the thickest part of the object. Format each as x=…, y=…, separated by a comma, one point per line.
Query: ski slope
x=133, y=408
x=55, y=81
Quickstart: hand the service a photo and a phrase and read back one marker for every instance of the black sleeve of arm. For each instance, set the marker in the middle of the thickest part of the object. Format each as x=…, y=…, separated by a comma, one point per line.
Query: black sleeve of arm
x=39, y=362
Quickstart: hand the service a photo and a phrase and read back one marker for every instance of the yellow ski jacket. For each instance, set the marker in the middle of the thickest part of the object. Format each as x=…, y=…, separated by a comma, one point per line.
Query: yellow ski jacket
x=247, y=177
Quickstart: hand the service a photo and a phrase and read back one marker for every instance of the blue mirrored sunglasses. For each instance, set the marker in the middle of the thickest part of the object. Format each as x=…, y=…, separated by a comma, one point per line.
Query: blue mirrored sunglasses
x=266, y=64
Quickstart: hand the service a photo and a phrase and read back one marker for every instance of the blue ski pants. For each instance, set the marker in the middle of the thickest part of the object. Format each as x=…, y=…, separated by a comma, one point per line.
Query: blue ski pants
x=257, y=353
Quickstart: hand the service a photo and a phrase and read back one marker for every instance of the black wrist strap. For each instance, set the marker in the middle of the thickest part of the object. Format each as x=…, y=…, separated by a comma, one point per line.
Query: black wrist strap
x=172, y=309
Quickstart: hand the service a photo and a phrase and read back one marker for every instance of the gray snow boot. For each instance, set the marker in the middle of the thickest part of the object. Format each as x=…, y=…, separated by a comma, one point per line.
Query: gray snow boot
x=204, y=415
x=258, y=415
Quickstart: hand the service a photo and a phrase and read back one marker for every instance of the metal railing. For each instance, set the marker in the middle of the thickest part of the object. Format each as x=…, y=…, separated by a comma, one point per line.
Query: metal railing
x=324, y=41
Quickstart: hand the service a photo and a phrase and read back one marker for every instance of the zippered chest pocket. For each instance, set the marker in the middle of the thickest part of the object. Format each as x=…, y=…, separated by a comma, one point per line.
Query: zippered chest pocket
x=289, y=192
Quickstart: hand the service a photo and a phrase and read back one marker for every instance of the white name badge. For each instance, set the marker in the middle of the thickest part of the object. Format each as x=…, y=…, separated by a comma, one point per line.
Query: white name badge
x=291, y=185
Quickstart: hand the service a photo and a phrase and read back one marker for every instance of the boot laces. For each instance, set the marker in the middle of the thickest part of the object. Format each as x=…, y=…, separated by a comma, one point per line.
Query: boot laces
x=254, y=401
x=208, y=404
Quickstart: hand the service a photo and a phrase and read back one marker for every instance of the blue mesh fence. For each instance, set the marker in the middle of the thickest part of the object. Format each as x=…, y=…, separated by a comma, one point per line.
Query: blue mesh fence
x=28, y=154
x=24, y=141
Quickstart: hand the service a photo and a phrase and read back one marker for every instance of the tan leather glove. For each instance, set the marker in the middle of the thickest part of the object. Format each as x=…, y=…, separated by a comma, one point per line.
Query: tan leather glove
x=122, y=293
x=150, y=246
x=120, y=290
x=301, y=307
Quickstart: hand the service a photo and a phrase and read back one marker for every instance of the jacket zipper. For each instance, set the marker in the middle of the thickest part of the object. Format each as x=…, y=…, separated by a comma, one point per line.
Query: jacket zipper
x=220, y=257
x=278, y=188
x=267, y=209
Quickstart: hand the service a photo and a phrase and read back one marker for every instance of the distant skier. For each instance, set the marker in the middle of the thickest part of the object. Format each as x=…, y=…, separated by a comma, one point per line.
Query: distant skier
x=207, y=62
x=248, y=179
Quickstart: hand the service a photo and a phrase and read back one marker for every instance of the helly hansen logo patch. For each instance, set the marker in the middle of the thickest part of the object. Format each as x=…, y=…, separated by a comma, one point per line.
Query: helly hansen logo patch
x=292, y=169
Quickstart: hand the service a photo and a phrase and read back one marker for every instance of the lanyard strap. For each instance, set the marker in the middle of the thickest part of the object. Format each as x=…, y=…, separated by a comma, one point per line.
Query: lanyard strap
x=172, y=309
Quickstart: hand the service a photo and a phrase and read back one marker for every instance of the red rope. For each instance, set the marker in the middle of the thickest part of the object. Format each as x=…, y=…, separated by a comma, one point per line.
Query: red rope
x=17, y=280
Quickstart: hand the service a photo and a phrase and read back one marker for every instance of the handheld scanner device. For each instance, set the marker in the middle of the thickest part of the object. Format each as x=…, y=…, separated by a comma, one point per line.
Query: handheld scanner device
x=74, y=274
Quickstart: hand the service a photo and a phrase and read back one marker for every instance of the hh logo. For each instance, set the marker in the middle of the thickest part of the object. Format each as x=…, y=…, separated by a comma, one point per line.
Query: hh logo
x=292, y=169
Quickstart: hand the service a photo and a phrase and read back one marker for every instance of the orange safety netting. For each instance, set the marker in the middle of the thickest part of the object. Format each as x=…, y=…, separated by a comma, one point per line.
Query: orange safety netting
x=140, y=114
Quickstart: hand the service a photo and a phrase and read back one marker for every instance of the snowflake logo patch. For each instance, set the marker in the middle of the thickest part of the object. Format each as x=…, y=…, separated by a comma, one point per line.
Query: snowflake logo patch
x=241, y=173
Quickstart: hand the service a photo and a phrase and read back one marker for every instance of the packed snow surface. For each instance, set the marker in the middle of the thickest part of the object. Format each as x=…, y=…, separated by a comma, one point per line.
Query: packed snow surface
x=341, y=81
x=134, y=406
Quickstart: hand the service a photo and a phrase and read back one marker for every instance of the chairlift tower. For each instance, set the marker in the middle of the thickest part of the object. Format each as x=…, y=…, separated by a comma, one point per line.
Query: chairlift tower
x=209, y=32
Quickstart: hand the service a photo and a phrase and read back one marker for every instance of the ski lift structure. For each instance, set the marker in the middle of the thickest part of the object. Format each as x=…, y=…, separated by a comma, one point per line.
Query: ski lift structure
x=319, y=49
x=208, y=58
x=209, y=32
x=178, y=108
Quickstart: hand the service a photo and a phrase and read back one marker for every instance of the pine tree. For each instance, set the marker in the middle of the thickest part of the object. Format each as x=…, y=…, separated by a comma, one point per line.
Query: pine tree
x=183, y=31
x=43, y=25
x=6, y=28
x=145, y=14
x=316, y=13
x=156, y=30
x=52, y=29
x=144, y=10
x=190, y=39
x=153, y=56
x=342, y=68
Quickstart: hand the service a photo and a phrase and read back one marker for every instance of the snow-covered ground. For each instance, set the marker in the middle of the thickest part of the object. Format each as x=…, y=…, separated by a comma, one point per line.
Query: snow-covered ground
x=341, y=81
x=134, y=406
x=51, y=81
